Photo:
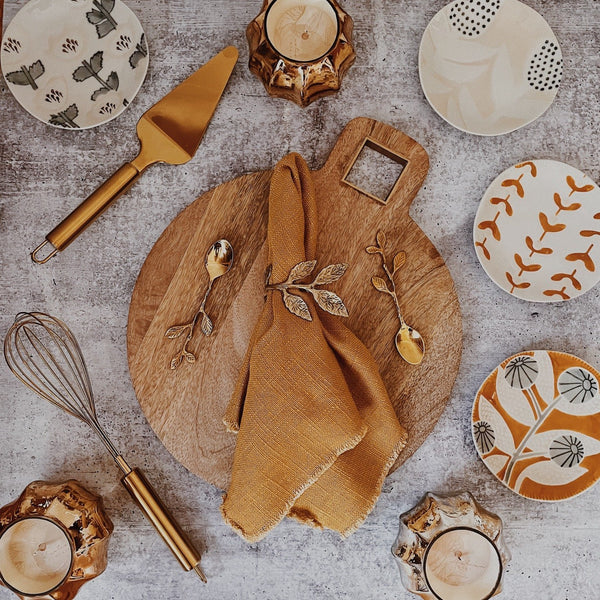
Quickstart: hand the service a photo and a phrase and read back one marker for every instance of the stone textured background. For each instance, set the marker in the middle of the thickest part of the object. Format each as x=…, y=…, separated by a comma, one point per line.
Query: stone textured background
x=45, y=173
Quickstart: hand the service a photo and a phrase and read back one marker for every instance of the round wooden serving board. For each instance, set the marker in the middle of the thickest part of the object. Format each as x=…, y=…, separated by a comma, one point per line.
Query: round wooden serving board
x=185, y=407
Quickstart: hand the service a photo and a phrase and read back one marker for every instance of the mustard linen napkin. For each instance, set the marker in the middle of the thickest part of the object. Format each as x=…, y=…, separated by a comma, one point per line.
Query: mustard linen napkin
x=317, y=433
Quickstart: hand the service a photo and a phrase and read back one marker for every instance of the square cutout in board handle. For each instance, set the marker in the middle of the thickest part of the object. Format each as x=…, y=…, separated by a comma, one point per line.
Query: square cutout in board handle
x=375, y=170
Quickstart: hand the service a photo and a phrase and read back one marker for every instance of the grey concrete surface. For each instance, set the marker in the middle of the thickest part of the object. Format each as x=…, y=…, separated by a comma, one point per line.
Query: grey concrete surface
x=45, y=172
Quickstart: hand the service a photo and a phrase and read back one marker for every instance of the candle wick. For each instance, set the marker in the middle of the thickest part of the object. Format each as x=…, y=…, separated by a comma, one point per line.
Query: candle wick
x=305, y=35
x=458, y=555
x=41, y=547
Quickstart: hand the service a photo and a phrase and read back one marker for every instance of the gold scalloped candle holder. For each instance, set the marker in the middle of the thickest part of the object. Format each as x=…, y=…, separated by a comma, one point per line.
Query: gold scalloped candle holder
x=80, y=515
x=453, y=569
x=302, y=78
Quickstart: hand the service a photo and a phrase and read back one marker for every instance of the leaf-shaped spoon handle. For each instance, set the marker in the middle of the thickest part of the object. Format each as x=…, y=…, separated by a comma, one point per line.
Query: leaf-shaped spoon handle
x=219, y=259
x=408, y=341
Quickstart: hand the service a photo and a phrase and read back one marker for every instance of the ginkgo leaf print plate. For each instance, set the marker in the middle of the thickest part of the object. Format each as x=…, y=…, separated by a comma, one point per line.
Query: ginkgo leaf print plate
x=536, y=425
x=537, y=231
x=74, y=63
x=489, y=67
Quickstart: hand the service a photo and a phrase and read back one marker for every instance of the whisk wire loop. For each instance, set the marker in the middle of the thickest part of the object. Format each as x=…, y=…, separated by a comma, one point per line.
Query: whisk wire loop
x=44, y=355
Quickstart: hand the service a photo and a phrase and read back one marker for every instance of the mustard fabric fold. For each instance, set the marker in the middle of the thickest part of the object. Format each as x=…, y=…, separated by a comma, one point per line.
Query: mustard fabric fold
x=317, y=433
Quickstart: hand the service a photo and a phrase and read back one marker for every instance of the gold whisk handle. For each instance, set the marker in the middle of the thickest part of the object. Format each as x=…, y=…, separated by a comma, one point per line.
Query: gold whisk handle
x=172, y=534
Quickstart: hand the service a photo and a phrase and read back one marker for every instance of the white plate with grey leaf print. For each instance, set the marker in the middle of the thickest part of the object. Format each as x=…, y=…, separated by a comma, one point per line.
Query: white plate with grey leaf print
x=74, y=64
x=489, y=67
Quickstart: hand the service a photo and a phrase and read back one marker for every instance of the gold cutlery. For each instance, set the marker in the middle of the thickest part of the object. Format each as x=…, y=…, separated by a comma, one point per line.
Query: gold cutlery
x=409, y=342
x=169, y=132
x=218, y=261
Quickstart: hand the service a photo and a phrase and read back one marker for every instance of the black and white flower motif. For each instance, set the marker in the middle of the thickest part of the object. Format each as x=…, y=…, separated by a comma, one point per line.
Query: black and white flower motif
x=521, y=372
x=577, y=385
x=485, y=438
x=11, y=45
x=567, y=451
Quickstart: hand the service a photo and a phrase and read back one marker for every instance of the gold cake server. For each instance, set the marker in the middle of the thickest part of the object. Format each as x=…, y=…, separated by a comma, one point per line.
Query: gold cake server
x=170, y=132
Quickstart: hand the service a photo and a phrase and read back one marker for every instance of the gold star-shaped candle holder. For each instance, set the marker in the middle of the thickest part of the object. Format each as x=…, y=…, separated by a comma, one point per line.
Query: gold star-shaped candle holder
x=301, y=49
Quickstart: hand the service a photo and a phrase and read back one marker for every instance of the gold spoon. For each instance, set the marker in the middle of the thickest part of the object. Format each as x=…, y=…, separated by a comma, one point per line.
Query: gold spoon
x=218, y=261
x=409, y=342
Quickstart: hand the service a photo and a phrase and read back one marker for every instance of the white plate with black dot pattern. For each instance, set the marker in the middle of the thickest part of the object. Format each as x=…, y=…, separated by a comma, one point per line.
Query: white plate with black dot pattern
x=74, y=63
x=489, y=67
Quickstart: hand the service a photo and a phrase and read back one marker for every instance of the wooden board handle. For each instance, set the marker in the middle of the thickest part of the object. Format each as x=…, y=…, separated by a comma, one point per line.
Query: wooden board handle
x=390, y=142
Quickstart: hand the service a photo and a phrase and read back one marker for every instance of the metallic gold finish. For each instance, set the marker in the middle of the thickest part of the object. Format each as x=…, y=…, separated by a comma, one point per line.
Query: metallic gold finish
x=43, y=353
x=325, y=299
x=432, y=516
x=80, y=514
x=218, y=261
x=409, y=343
x=170, y=132
x=302, y=82
x=179, y=544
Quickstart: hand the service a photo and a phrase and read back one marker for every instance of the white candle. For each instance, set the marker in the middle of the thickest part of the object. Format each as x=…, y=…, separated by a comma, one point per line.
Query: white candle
x=35, y=556
x=462, y=564
x=301, y=30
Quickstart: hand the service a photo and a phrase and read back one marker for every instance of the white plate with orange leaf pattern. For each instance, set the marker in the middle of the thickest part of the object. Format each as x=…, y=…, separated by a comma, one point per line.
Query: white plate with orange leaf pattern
x=537, y=231
x=536, y=425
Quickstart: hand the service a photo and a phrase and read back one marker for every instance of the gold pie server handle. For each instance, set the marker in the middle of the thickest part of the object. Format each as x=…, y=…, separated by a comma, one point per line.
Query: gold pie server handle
x=87, y=212
x=166, y=526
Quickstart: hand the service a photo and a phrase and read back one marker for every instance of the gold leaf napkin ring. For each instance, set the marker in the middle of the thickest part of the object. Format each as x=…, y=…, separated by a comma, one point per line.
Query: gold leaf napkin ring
x=326, y=300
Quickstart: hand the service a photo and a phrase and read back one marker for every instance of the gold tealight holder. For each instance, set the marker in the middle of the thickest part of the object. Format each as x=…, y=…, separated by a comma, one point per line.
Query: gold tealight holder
x=451, y=548
x=301, y=49
x=53, y=539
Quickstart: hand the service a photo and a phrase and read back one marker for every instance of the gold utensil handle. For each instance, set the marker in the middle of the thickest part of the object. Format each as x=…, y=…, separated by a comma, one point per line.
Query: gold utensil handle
x=177, y=541
x=87, y=212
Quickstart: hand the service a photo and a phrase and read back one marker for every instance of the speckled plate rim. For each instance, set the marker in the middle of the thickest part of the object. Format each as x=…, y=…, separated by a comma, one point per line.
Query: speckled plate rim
x=111, y=116
x=506, y=360
x=446, y=119
x=545, y=300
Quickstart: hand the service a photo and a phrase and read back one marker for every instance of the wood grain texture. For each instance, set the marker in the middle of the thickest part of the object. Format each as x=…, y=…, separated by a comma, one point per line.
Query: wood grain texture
x=45, y=173
x=185, y=407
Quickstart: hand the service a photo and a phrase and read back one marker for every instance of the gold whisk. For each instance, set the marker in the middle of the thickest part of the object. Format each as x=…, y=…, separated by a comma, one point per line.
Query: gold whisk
x=43, y=353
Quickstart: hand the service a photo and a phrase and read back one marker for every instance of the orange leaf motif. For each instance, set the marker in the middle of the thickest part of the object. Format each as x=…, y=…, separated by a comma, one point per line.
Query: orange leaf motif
x=589, y=233
x=571, y=278
x=528, y=164
x=519, y=286
x=561, y=206
x=584, y=257
x=550, y=228
x=507, y=206
x=517, y=184
x=485, y=251
x=524, y=267
x=560, y=293
x=575, y=188
x=534, y=250
x=491, y=225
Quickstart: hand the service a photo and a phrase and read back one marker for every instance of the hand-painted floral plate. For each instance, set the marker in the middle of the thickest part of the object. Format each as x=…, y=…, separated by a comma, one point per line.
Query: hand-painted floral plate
x=537, y=231
x=489, y=67
x=74, y=63
x=536, y=425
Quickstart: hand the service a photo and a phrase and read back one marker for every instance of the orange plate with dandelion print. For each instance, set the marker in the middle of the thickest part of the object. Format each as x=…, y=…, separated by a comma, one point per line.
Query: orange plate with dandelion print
x=537, y=231
x=536, y=425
